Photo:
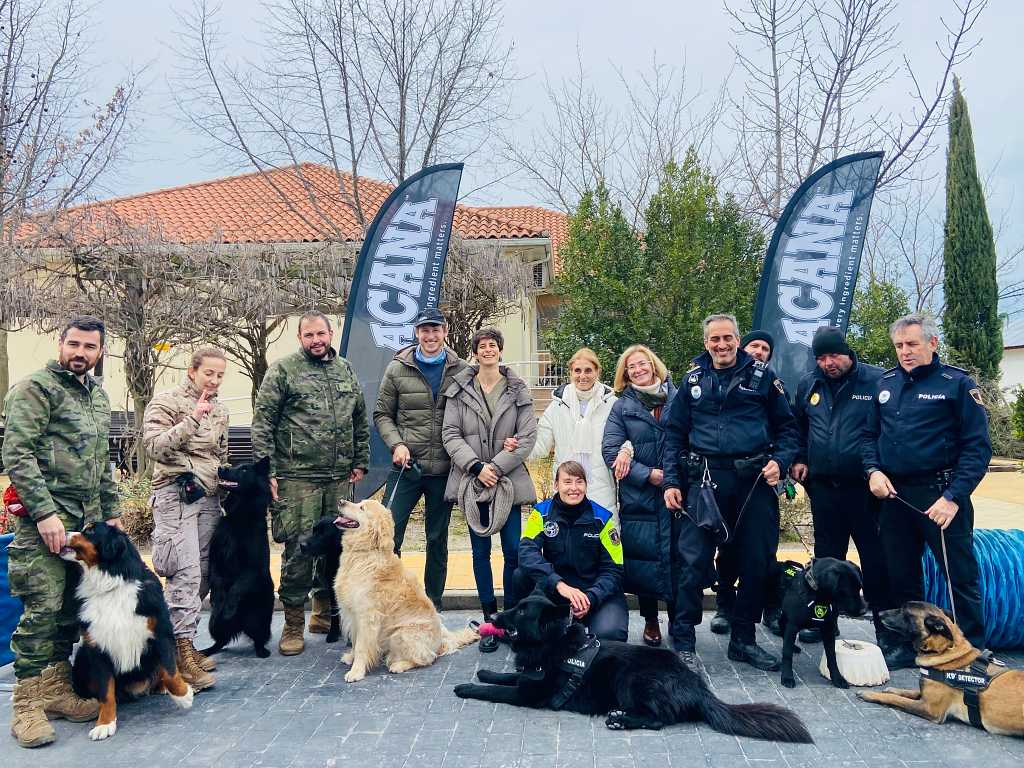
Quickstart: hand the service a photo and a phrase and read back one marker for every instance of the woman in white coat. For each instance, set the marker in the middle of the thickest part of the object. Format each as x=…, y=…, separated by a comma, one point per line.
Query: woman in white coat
x=573, y=425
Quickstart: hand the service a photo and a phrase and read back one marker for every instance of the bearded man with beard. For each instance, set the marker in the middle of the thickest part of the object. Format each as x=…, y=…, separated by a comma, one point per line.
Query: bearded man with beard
x=310, y=420
x=57, y=456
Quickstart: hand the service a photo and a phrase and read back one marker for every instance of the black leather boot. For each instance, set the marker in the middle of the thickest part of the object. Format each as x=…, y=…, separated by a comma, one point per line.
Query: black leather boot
x=753, y=654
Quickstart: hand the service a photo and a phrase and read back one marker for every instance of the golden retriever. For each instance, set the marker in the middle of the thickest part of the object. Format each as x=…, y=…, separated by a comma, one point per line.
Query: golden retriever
x=387, y=614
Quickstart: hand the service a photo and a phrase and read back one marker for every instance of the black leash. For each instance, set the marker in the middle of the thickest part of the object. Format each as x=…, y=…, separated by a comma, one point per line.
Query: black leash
x=945, y=557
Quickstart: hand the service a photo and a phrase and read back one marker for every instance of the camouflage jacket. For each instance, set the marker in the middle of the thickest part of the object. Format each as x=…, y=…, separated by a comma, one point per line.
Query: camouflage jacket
x=310, y=419
x=55, y=442
x=178, y=443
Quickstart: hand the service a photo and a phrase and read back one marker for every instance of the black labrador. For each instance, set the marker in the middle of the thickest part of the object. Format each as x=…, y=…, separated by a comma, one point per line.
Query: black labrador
x=325, y=541
x=814, y=596
x=635, y=686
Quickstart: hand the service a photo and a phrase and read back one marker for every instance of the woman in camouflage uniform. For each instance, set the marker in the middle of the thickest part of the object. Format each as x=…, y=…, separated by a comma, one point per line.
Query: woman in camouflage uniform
x=186, y=435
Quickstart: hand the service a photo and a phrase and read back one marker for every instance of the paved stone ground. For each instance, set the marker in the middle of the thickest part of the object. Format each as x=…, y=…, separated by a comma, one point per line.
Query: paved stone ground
x=299, y=712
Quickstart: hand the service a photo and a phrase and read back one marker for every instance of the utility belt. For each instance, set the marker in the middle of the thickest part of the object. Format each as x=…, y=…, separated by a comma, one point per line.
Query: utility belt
x=940, y=478
x=746, y=466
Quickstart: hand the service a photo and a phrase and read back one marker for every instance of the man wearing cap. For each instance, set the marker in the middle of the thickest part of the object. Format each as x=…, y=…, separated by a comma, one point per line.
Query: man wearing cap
x=926, y=448
x=832, y=405
x=409, y=415
x=759, y=345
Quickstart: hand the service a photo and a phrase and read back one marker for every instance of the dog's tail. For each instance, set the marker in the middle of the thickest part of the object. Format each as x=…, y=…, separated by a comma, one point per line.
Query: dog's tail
x=452, y=641
x=217, y=647
x=758, y=721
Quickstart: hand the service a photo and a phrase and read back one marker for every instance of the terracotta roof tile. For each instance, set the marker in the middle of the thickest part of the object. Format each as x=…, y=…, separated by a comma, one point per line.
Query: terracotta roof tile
x=304, y=203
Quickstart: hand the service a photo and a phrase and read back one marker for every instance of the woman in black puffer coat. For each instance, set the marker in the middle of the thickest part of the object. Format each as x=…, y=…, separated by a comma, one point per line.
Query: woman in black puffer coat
x=639, y=417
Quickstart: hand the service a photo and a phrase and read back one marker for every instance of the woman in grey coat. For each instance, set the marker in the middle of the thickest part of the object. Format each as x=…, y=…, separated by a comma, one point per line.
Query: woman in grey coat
x=486, y=404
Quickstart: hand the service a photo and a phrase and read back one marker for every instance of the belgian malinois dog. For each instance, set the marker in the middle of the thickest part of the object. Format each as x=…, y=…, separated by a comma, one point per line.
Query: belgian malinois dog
x=942, y=647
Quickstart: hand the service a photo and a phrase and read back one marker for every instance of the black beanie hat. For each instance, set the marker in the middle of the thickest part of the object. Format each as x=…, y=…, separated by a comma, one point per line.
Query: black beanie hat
x=759, y=336
x=829, y=340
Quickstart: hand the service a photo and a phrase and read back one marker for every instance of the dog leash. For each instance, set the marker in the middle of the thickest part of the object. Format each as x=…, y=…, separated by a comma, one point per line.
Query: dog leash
x=945, y=557
x=394, y=490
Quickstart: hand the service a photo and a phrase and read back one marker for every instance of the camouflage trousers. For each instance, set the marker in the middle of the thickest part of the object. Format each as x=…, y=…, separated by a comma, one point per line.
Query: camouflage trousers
x=302, y=503
x=48, y=629
x=181, y=548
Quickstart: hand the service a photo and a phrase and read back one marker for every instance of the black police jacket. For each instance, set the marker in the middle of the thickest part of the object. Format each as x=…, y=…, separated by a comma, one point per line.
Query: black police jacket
x=748, y=417
x=575, y=544
x=832, y=429
x=929, y=420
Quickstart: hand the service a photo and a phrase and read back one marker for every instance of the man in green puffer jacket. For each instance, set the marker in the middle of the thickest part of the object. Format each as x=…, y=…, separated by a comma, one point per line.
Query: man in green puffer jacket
x=310, y=420
x=56, y=453
x=409, y=414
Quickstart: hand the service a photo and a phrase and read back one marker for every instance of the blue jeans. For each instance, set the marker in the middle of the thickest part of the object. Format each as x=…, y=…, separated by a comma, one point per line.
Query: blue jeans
x=510, y=534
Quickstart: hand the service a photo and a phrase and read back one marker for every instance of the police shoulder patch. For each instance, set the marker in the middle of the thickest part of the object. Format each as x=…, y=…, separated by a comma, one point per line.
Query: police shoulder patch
x=551, y=529
x=778, y=386
x=976, y=395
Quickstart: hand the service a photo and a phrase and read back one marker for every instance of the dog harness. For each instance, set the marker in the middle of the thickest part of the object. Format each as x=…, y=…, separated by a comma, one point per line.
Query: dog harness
x=576, y=665
x=972, y=680
x=819, y=612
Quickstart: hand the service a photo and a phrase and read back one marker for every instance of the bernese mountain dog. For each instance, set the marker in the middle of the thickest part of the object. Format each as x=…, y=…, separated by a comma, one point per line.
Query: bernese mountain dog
x=127, y=640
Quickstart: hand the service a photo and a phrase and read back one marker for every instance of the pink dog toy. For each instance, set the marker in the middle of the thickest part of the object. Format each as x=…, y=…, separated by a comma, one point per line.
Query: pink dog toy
x=487, y=629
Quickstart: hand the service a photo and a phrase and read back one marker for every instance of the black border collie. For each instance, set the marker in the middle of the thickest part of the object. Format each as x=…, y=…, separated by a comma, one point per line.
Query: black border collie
x=127, y=640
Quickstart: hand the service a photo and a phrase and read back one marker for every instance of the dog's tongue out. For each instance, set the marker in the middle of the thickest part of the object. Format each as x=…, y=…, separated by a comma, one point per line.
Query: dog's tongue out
x=345, y=522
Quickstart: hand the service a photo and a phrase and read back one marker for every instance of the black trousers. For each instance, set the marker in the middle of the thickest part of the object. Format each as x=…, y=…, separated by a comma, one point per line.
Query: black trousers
x=751, y=546
x=904, y=535
x=607, y=621
x=842, y=508
x=436, y=520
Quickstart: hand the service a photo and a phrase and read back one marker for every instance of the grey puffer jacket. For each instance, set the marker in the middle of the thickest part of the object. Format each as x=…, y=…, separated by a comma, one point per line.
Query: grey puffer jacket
x=470, y=434
x=407, y=412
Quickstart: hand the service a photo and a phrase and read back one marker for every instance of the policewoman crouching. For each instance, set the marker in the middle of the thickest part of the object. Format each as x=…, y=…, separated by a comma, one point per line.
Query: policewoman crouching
x=572, y=552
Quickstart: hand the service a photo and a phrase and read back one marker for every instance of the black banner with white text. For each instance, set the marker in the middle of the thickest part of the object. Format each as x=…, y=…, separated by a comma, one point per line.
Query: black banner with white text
x=810, y=270
x=397, y=275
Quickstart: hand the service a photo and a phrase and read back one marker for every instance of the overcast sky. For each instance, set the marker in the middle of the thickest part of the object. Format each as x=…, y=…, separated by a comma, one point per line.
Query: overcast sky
x=546, y=35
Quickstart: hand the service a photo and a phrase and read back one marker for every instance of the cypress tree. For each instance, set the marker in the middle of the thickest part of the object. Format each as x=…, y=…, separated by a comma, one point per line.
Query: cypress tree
x=971, y=326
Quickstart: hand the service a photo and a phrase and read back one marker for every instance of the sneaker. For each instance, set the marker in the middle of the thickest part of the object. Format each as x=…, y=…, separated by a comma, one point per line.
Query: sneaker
x=720, y=624
x=754, y=655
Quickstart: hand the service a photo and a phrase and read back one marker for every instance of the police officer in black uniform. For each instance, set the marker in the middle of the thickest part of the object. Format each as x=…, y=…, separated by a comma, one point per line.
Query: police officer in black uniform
x=831, y=409
x=759, y=345
x=571, y=551
x=732, y=421
x=925, y=451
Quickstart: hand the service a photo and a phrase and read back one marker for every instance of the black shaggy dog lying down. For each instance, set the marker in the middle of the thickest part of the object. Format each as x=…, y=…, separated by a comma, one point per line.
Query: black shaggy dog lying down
x=636, y=686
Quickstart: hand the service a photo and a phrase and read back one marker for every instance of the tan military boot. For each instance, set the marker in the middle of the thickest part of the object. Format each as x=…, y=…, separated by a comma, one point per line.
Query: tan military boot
x=205, y=662
x=60, y=699
x=190, y=671
x=292, y=642
x=320, y=619
x=28, y=720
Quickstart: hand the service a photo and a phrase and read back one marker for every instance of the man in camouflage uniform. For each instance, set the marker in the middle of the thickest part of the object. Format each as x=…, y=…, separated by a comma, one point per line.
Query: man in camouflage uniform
x=310, y=420
x=56, y=453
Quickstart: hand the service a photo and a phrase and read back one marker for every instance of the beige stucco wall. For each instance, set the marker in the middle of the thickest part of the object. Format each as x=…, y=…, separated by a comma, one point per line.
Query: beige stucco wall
x=1012, y=368
x=30, y=350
